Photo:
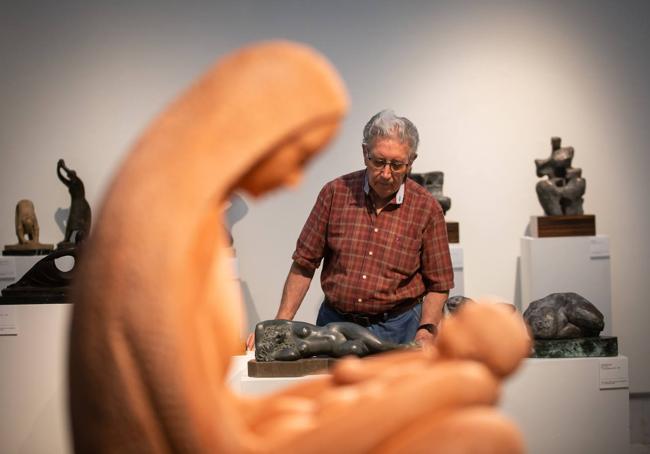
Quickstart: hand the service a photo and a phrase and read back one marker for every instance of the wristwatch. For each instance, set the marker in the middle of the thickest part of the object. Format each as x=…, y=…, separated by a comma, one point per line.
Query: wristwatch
x=433, y=329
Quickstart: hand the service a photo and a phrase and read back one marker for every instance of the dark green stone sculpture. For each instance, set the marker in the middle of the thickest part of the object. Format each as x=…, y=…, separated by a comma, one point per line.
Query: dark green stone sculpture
x=287, y=340
x=563, y=316
x=566, y=325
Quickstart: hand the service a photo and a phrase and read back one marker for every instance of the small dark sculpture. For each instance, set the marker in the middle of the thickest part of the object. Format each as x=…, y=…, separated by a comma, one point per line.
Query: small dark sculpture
x=433, y=182
x=562, y=193
x=286, y=340
x=42, y=283
x=563, y=316
x=455, y=302
x=79, y=219
x=27, y=230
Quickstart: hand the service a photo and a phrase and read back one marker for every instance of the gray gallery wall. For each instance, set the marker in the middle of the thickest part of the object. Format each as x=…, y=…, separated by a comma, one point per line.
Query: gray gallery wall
x=487, y=83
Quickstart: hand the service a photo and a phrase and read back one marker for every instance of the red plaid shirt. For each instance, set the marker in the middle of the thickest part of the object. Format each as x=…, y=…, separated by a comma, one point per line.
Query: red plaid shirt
x=374, y=262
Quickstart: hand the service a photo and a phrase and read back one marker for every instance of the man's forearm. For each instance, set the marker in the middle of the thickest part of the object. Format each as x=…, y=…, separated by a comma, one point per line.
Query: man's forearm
x=432, y=307
x=295, y=289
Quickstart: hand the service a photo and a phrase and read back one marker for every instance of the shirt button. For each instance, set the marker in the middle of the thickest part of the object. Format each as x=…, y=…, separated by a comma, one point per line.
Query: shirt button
x=376, y=229
x=364, y=276
x=370, y=253
x=359, y=300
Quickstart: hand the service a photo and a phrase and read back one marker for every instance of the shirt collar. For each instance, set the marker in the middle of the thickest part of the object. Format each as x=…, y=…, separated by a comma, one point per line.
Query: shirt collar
x=399, y=196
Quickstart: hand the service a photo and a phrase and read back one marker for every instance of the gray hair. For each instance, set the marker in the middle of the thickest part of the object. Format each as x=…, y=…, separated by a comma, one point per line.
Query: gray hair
x=387, y=124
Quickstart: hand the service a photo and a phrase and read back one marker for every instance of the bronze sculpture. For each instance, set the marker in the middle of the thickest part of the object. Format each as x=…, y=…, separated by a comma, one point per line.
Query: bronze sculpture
x=561, y=193
x=433, y=182
x=153, y=330
x=79, y=218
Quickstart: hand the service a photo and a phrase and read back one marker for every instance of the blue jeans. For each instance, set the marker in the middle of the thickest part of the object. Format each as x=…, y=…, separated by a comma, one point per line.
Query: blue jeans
x=400, y=329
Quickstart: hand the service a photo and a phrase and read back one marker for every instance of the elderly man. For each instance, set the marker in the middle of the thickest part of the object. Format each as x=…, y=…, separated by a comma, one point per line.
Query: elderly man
x=383, y=242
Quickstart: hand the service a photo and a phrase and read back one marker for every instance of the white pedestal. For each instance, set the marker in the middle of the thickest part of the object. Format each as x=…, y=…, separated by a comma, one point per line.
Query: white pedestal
x=560, y=408
x=13, y=267
x=33, y=384
x=577, y=264
x=458, y=264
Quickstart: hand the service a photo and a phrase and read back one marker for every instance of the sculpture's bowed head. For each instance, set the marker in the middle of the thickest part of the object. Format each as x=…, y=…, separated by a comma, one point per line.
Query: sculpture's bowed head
x=284, y=103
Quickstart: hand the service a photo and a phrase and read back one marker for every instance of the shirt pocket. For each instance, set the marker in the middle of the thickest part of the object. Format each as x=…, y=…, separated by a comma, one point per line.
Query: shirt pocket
x=404, y=255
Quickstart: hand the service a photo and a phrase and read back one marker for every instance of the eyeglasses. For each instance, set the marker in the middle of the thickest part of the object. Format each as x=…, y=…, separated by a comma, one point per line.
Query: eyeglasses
x=379, y=164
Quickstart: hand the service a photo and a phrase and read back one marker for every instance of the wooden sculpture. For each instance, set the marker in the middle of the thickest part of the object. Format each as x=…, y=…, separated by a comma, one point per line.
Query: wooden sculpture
x=156, y=317
x=27, y=231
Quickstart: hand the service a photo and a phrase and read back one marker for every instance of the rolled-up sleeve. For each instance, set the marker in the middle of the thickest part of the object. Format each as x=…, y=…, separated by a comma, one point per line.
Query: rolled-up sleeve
x=436, y=269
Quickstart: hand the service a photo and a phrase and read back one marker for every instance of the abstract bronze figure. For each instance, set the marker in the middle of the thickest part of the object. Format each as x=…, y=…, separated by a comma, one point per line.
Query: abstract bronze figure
x=433, y=182
x=288, y=340
x=154, y=329
x=561, y=193
x=79, y=219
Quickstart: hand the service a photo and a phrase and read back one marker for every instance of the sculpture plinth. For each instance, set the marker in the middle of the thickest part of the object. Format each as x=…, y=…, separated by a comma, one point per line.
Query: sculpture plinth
x=575, y=348
x=563, y=225
x=27, y=249
x=453, y=232
x=298, y=368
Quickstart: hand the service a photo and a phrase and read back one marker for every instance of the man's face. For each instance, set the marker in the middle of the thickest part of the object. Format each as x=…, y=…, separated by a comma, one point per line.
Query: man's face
x=384, y=181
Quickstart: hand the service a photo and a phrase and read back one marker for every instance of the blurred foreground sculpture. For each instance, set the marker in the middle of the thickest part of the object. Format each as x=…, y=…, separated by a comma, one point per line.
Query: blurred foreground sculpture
x=27, y=231
x=561, y=193
x=79, y=218
x=156, y=317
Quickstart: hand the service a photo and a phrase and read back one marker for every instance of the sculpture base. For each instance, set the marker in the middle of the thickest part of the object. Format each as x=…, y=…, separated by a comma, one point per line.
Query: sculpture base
x=28, y=249
x=453, y=232
x=298, y=368
x=550, y=226
x=575, y=348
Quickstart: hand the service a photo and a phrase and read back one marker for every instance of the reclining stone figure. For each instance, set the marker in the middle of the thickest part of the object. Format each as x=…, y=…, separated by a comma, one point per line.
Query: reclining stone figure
x=288, y=340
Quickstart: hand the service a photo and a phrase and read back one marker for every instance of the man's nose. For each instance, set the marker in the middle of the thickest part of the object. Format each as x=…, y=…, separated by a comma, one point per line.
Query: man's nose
x=386, y=173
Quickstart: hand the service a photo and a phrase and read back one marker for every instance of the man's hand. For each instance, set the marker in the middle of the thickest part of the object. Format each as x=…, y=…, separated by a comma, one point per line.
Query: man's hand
x=425, y=339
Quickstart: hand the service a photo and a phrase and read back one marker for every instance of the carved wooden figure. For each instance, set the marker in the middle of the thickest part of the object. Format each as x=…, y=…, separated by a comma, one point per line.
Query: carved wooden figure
x=27, y=231
x=26, y=222
x=157, y=316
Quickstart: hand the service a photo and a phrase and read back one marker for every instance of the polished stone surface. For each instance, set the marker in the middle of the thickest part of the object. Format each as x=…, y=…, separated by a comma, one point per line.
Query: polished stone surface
x=575, y=348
